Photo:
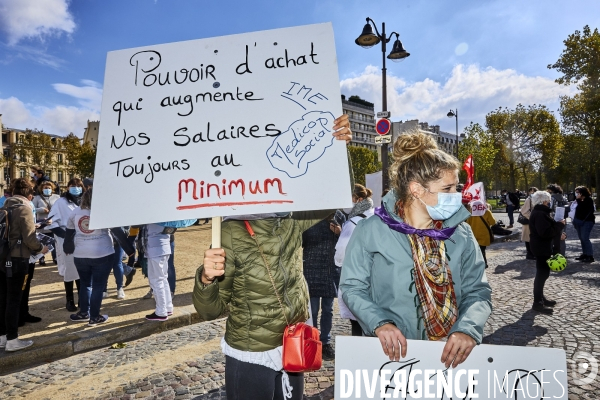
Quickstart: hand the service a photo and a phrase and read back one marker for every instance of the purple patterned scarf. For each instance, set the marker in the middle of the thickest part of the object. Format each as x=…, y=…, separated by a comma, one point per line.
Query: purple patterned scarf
x=402, y=227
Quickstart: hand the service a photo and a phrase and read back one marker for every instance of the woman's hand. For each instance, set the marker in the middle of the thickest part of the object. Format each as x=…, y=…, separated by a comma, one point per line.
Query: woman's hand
x=457, y=349
x=214, y=265
x=45, y=250
x=335, y=228
x=392, y=341
x=563, y=236
x=342, y=129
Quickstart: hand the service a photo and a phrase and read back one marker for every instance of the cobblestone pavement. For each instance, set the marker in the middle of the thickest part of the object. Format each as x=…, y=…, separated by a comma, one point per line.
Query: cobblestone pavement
x=186, y=363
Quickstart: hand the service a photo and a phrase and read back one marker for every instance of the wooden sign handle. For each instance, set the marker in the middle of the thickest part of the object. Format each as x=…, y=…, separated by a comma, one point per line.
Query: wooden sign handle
x=216, y=232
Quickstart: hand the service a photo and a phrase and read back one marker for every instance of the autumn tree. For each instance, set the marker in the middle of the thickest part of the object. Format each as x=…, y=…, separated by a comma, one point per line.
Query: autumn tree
x=37, y=148
x=364, y=161
x=482, y=147
x=579, y=64
x=82, y=157
x=529, y=138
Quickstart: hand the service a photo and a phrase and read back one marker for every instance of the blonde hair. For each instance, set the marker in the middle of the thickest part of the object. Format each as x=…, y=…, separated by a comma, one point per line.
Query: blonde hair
x=417, y=158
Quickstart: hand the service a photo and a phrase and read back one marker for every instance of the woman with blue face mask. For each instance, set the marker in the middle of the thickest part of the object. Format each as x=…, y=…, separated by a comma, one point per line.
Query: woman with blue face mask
x=43, y=203
x=59, y=214
x=420, y=258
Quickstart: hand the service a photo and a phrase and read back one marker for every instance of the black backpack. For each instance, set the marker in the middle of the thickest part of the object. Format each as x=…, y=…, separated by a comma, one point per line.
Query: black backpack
x=5, y=249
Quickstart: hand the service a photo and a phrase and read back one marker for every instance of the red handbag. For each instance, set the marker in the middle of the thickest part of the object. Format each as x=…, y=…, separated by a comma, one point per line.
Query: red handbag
x=302, y=349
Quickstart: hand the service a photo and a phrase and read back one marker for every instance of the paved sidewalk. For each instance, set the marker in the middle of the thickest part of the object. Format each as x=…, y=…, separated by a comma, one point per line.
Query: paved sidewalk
x=187, y=363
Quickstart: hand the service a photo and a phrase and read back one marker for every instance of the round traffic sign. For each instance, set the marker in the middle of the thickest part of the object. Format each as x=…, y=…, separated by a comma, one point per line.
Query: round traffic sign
x=383, y=126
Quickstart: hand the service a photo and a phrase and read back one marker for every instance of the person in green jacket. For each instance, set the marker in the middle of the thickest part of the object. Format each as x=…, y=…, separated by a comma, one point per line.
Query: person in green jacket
x=414, y=270
x=236, y=276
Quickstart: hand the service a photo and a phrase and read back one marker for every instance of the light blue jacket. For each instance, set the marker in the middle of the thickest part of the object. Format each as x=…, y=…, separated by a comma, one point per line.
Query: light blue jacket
x=378, y=287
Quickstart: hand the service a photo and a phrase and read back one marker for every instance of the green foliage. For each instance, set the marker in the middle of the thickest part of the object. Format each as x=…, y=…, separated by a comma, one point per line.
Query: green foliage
x=580, y=64
x=358, y=100
x=36, y=148
x=528, y=138
x=82, y=157
x=364, y=161
x=481, y=145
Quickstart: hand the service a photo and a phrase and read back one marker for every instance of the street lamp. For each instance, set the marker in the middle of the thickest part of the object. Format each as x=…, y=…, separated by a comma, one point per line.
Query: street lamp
x=455, y=115
x=369, y=39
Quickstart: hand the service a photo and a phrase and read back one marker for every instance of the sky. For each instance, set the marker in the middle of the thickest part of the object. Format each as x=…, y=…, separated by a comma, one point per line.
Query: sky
x=470, y=55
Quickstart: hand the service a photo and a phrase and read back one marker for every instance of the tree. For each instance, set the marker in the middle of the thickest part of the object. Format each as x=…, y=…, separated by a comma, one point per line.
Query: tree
x=364, y=161
x=36, y=148
x=82, y=157
x=479, y=143
x=528, y=138
x=580, y=64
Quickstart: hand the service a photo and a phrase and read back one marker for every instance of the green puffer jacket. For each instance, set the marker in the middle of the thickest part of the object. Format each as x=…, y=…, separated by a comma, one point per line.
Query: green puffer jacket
x=256, y=321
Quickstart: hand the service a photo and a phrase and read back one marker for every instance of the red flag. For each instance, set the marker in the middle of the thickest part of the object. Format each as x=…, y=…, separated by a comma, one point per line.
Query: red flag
x=470, y=170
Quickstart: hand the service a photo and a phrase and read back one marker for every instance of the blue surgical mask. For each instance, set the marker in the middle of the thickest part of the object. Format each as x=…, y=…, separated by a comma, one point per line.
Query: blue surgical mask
x=47, y=192
x=448, y=204
x=75, y=190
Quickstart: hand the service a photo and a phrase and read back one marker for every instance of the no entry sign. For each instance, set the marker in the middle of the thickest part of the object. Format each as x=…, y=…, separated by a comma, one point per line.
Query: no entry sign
x=383, y=126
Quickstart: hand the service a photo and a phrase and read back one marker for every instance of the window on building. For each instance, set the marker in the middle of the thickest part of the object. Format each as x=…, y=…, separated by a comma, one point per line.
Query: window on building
x=21, y=138
x=60, y=158
x=22, y=173
x=60, y=176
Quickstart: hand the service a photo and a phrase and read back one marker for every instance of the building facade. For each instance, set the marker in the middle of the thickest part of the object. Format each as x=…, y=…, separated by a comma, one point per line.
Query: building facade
x=445, y=140
x=362, y=122
x=90, y=134
x=24, y=149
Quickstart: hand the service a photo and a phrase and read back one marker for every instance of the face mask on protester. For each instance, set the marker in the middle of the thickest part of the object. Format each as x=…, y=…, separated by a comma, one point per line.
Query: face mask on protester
x=447, y=205
x=47, y=192
x=75, y=190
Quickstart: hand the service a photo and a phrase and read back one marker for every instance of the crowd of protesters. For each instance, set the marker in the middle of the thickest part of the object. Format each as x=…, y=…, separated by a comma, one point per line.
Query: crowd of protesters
x=390, y=265
x=39, y=221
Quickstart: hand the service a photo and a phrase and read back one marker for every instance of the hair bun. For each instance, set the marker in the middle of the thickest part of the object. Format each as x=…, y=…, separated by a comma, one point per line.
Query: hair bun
x=407, y=145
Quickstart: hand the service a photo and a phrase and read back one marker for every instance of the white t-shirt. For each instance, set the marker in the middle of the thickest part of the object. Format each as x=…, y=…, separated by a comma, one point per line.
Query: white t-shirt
x=89, y=243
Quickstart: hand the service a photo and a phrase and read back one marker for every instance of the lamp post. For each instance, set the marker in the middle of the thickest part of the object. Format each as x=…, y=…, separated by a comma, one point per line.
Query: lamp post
x=369, y=39
x=455, y=115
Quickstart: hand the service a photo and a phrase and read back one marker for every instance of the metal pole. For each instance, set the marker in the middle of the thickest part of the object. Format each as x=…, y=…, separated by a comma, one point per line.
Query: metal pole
x=456, y=115
x=384, y=146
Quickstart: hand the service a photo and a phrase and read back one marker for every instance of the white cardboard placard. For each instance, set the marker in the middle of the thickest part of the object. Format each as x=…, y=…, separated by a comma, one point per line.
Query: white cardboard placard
x=500, y=372
x=222, y=126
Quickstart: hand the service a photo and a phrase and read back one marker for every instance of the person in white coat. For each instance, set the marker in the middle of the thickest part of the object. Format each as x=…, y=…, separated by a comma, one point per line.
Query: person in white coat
x=363, y=208
x=43, y=204
x=60, y=213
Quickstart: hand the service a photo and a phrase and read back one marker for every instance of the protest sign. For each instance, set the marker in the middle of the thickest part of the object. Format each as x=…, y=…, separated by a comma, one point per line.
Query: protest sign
x=363, y=371
x=230, y=125
x=475, y=196
x=373, y=182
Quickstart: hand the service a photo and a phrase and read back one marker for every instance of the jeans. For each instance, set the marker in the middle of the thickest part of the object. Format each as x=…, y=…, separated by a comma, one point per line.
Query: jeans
x=326, y=316
x=584, y=229
x=172, y=277
x=11, y=290
x=510, y=210
x=118, y=267
x=245, y=381
x=93, y=274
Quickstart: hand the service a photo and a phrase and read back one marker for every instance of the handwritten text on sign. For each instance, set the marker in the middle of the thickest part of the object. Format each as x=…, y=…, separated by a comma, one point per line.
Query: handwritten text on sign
x=222, y=126
x=362, y=371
